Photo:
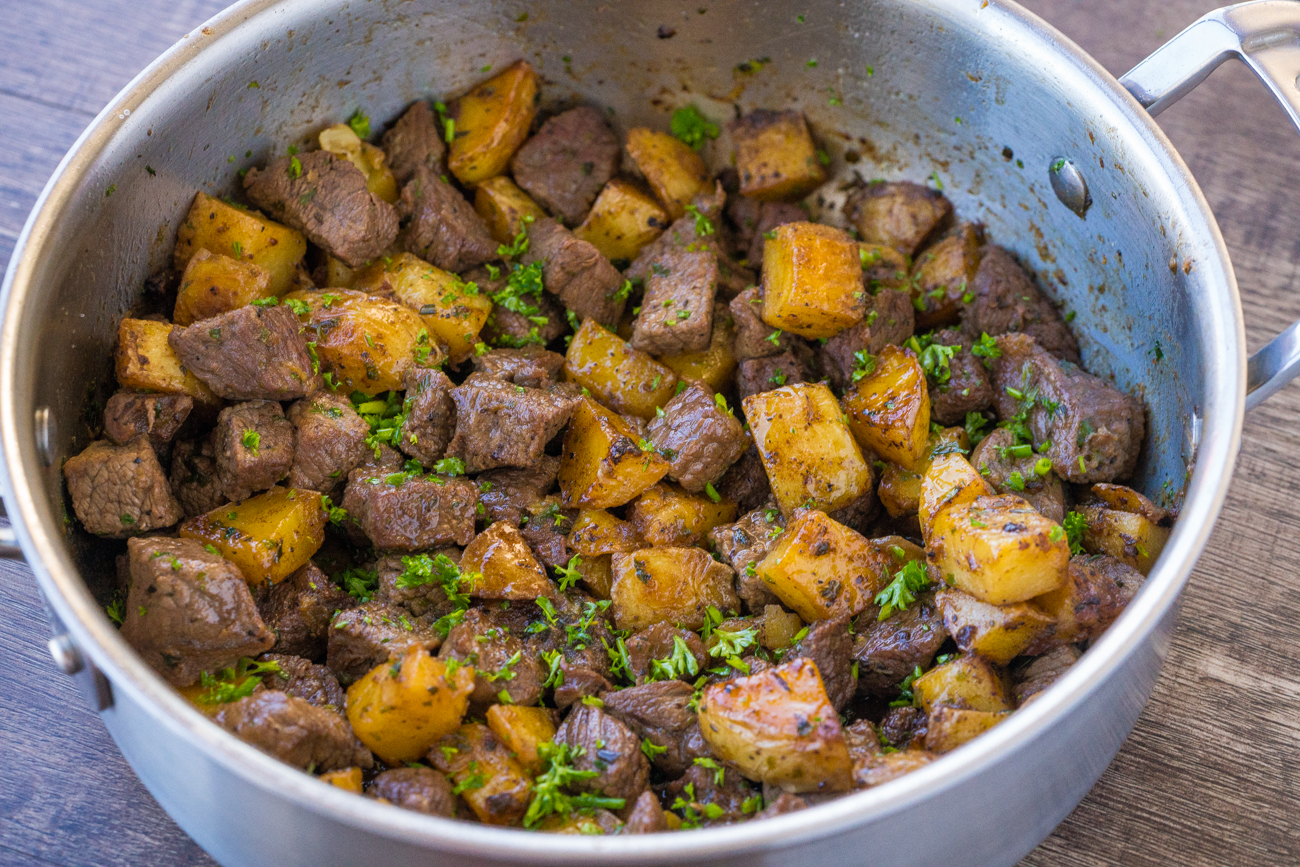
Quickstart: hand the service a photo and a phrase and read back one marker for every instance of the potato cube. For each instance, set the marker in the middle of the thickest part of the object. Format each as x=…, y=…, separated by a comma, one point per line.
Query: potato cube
x=598, y=574
x=967, y=681
x=522, y=729
x=950, y=480
x=669, y=585
x=622, y=220
x=597, y=532
x=821, y=568
x=1124, y=525
x=146, y=361
x=889, y=408
x=214, y=284
x=1125, y=499
x=998, y=549
x=779, y=627
x=453, y=311
x=779, y=728
x=809, y=454
x=489, y=779
x=949, y=727
x=713, y=365
x=503, y=206
x=505, y=562
x=491, y=122
x=900, y=488
x=348, y=779
x=676, y=173
x=604, y=462
x=999, y=633
x=775, y=155
x=268, y=536
x=230, y=230
x=942, y=275
x=667, y=515
x=401, y=710
x=812, y=280
x=342, y=141
x=625, y=379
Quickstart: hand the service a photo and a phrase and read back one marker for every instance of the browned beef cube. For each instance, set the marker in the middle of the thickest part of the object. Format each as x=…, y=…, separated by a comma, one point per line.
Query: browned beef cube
x=1006, y=300
x=757, y=375
x=411, y=514
x=677, y=310
x=325, y=197
x=659, y=642
x=444, y=228
x=578, y=682
x=889, y=320
x=517, y=329
x=567, y=162
x=189, y=610
x=860, y=514
x=423, y=790
x=693, y=233
x=889, y=650
x=504, y=425
x=1009, y=474
x=647, y=816
x=529, y=366
x=250, y=353
x=194, y=477
x=754, y=337
x=299, y=609
x=745, y=484
x=253, y=442
x=1101, y=587
x=722, y=787
x=431, y=418
x=506, y=493
x=380, y=461
x=545, y=527
x=575, y=272
x=331, y=442
x=902, y=725
x=967, y=387
x=785, y=802
x=120, y=491
x=830, y=646
x=414, y=140
x=157, y=416
x=899, y=214
x=1043, y=672
x=301, y=678
x=499, y=661
x=1095, y=430
x=294, y=731
x=754, y=219
x=361, y=638
x=745, y=543
x=609, y=748
x=658, y=712
x=419, y=599
x=698, y=436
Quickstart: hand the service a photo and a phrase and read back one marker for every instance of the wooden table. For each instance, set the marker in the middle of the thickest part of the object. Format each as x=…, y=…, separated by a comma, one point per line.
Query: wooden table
x=1209, y=776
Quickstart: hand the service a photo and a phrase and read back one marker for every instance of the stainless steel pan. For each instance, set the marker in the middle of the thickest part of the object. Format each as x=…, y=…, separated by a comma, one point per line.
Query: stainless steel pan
x=1119, y=233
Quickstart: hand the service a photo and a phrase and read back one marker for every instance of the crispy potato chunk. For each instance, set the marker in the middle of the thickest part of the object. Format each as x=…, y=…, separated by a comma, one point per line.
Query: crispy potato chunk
x=889, y=408
x=821, y=568
x=669, y=585
x=950, y=480
x=598, y=574
x=230, y=230
x=489, y=779
x=597, y=532
x=214, y=284
x=779, y=728
x=1125, y=525
x=779, y=627
x=503, y=206
x=713, y=365
x=348, y=779
x=1128, y=500
x=967, y=681
x=809, y=454
x=812, y=280
x=400, y=709
x=676, y=173
x=146, y=361
x=999, y=549
x=342, y=141
x=625, y=379
x=941, y=276
x=453, y=311
x=775, y=155
x=492, y=121
x=603, y=464
x=667, y=515
x=510, y=571
x=622, y=220
x=900, y=488
x=268, y=536
x=999, y=633
x=949, y=727
x=522, y=729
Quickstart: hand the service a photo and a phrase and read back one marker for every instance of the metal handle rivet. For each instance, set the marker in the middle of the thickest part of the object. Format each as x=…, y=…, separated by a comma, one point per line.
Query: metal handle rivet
x=66, y=656
x=44, y=433
x=1069, y=185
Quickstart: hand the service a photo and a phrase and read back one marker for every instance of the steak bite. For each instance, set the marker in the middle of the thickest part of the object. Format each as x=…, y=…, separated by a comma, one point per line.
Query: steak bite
x=753, y=219
x=1009, y=474
x=754, y=337
x=661, y=642
x=1042, y=672
x=677, y=310
x=647, y=816
x=699, y=230
x=414, y=140
x=659, y=712
x=188, y=610
x=501, y=667
x=250, y=353
x=253, y=442
x=1007, y=300
x=194, y=477
x=293, y=731
x=325, y=197
x=601, y=743
x=423, y=790
x=1095, y=430
x=889, y=650
x=298, y=610
x=504, y=425
x=301, y=678
x=331, y=442
x=506, y=493
x=700, y=437
x=529, y=366
x=157, y=416
x=411, y=513
x=567, y=161
x=757, y=375
x=830, y=647
x=746, y=542
x=746, y=484
x=120, y=491
x=575, y=272
x=545, y=527
x=430, y=417
x=900, y=214
x=361, y=638
x=715, y=785
x=443, y=228
x=890, y=320
x=967, y=387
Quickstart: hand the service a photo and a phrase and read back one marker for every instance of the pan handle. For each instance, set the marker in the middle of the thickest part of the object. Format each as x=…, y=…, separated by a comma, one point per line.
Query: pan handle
x=9, y=549
x=1265, y=35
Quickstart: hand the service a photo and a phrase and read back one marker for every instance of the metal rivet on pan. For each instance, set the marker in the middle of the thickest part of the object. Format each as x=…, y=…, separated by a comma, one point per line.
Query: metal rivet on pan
x=44, y=433
x=66, y=656
x=1069, y=185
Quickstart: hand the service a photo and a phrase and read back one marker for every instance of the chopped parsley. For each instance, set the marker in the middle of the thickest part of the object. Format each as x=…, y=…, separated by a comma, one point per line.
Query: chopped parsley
x=901, y=592
x=232, y=684
x=679, y=664
x=360, y=124
x=252, y=441
x=703, y=225
x=569, y=575
x=692, y=128
x=1074, y=524
x=934, y=357
x=986, y=348
x=864, y=364
x=549, y=795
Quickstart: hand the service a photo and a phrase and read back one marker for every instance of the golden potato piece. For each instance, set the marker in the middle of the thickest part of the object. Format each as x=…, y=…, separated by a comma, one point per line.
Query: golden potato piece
x=779, y=627
x=341, y=140
x=676, y=173
x=604, y=463
x=522, y=729
x=949, y=727
x=214, y=284
x=1125, y=526
x=669, y=585
x=667, y=515
x=453, y=311
x=775, y=155
x=268, y=536
x=622, y=220
x=145, y=361
x=812, y=280
x=889, y=408
x=401, y=709
x=999, y=633
x=597, y=532
x=900, y=488
x=713, y=365
x=510, y=571
x=779, y=728
x=484, y=773
x=1125, y=499
x=503, y=206
x=821, y=568
x=809, y=454
x=230, y=230
x=348, y=779
x=598, y=574
x=967, y=681
x=491, y=122
x=625, y=379
x=950, y=480
x=942, y=276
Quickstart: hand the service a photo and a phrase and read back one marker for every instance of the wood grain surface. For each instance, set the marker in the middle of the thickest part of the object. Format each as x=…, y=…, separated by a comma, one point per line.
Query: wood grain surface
x=1209, y=776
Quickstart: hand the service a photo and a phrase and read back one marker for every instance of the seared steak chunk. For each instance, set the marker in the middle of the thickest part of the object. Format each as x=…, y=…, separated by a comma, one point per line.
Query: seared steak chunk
x=700, y=230
x=431, y=417
x=753, y=219
x=545, y=527
x=1006, y=300
x=903, y=725
x=647, y=816
x=507, y=493
x=423, y=790
x=967, y=387
x=699, y=436
x=1097, y=591
x=715, y=784
x=302, y=678
x=361, y=638
x=900, y=214
x=1044, y=671
x=830, y=647
x=1009, y=474
x=419, y=599
x=745, y=484
x=157, y=416
x=754, y=337
x=890, y=320
x=444, y=228
x=294, y=731
x=658, y=712
x=414, y=140
x=250, y=353
x=500, y=664
x=660, y=642
x=120, y=491
x=677, y=310
x=529, y=366
x=757, y=375
x=564, y=165
x=411, y=513
x=253, y=442
x=504, y=425
x=194, y=477
x=601, y=743
x=299, y=609
x=331, y=442
x=889, y=650
x=575, y=272
x=747, y=542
